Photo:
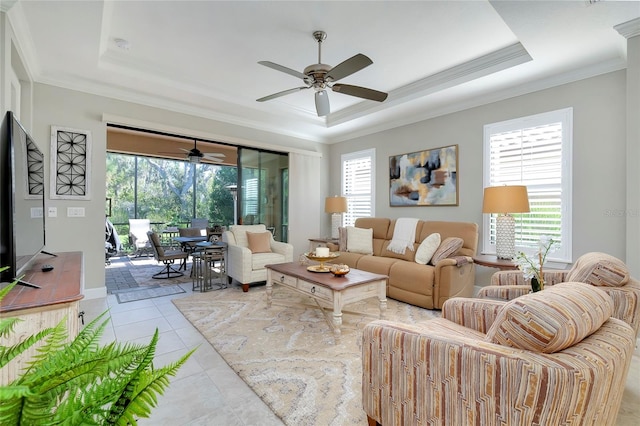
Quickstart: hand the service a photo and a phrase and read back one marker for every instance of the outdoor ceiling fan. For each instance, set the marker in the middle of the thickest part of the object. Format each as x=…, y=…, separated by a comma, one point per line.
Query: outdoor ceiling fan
x=194, y=155
x=322, y=76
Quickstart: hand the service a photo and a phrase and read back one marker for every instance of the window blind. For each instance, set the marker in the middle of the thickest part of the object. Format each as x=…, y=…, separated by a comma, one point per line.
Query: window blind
x=358, y=185
x=533, y=151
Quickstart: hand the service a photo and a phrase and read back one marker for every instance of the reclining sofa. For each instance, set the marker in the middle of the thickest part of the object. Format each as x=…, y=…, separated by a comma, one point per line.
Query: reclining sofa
x=425, y=285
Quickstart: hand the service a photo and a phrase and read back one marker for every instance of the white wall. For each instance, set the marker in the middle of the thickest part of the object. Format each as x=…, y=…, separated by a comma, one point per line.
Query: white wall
x=599, y=146
x=67, y=108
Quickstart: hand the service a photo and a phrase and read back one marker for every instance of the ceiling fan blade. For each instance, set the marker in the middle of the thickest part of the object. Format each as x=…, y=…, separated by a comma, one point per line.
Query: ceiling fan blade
x=283, y=93
x=213, y=154
x=283, y=69
x=322, y=103
x=360, y=92
x=348, y=67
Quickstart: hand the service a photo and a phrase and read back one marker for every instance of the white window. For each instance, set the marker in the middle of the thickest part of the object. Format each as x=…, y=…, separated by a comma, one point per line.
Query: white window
x=534, y=151
x=358, y=171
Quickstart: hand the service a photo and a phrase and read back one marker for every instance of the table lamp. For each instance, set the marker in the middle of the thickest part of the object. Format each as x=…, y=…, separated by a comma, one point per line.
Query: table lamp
x=336, y=206
x=505, y=200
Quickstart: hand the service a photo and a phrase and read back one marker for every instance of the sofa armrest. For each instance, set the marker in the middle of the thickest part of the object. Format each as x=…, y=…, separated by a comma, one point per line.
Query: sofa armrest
x=476, y=314
x=504, y=292
x=432, y=373
x=238, y=262
x=516, y=277
x=452, y=278
x=284, y=249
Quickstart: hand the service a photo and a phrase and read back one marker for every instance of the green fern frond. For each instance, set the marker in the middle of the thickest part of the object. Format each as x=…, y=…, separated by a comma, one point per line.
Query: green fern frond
x=10, y=352
x=4, y=291
x=7, y=325
x=151, y=383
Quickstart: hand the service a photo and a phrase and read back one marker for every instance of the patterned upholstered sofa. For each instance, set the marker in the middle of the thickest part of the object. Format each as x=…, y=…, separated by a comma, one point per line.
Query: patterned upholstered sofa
x=599, y=269
x=425, y=285
x=547, y=358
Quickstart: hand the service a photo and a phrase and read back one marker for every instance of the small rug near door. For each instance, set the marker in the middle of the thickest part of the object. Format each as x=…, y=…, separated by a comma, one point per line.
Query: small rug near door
x=147, y=292
x=287, y=355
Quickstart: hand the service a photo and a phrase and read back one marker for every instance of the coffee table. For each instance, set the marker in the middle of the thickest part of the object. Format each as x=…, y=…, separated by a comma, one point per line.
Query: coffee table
x=325, y=287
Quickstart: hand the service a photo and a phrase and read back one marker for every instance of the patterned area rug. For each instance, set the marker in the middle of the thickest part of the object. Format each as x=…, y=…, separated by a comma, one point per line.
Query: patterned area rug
x=287, y=355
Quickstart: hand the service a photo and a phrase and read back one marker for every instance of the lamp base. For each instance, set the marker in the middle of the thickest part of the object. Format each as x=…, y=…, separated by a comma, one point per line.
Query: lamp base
x=505, y=236
x=336, y=222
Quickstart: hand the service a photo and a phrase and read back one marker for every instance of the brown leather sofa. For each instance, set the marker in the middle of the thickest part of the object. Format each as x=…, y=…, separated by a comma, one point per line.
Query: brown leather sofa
x=426, y=286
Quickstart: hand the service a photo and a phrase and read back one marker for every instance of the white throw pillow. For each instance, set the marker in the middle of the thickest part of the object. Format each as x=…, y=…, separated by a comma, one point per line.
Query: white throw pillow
x=428, y=246
x=359, y=240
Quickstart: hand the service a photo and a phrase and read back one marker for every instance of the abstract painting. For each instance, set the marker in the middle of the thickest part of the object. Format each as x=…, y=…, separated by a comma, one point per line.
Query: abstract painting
x=424, y=178
x=70, y=160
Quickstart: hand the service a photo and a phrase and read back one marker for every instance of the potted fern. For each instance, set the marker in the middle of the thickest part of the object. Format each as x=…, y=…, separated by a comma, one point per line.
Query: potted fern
x=81, y=382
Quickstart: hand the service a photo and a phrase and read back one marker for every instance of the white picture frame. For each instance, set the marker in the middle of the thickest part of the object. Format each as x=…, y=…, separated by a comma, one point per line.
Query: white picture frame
x=70, y=164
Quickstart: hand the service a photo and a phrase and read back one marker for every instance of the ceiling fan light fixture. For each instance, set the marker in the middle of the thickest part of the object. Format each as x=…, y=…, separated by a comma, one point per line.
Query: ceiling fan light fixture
x=194, y=159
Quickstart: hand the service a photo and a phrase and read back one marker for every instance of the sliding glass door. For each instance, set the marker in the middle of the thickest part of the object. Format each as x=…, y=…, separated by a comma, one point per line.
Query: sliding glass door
x=264, y=190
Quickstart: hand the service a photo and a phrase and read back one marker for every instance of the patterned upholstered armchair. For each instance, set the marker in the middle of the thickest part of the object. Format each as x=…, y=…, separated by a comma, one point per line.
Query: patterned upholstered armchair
x=599, y=269
x=249, y=249
x=548, y=358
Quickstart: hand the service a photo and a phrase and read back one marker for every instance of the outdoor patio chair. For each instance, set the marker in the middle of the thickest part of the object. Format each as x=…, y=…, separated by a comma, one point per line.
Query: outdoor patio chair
x=199, y=223
x=138, y=237
x=167, y=257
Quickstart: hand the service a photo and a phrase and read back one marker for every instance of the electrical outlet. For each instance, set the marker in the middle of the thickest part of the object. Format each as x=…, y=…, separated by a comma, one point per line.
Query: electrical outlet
x=75, y=211
x=53, y=212
x=36, y=212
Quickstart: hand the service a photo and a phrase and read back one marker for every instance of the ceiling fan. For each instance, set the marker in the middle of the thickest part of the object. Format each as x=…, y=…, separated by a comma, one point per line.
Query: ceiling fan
x=322, y=76
x=194, y=155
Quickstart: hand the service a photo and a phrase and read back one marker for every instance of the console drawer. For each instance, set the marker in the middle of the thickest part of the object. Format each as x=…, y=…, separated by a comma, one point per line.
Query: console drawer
x=315, y=290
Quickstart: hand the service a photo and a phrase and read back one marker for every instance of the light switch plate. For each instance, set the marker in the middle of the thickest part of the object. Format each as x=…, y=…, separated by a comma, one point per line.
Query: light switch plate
x=75, y=211
x=52, y=212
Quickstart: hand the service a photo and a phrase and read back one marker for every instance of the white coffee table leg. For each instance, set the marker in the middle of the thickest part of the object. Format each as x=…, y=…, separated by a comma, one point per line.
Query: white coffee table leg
x=382, y=297
x=269, y=289
x=337, y=315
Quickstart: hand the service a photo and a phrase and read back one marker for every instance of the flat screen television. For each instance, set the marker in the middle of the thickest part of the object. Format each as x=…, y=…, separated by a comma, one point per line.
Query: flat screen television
x=22, y=202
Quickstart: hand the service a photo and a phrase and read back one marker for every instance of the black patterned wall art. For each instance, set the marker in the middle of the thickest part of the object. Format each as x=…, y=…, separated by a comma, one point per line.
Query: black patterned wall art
x=70, y=163
x=35, y=170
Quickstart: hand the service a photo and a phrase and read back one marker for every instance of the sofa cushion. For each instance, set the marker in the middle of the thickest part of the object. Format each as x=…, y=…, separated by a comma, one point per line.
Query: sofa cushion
x=553, y=319
x=447, y=248
x=359, y=240
x=599, y=269
x=427, y=248
x=259, y=242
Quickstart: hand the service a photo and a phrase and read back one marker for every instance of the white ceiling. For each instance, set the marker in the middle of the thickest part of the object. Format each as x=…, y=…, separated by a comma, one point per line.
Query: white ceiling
x=433, y=57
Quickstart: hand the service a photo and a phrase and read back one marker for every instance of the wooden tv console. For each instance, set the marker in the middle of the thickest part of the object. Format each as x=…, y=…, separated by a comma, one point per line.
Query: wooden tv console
x=38, y=308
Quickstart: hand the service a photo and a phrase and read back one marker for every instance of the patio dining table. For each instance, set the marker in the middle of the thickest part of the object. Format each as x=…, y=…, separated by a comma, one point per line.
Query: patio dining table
x=188, y=244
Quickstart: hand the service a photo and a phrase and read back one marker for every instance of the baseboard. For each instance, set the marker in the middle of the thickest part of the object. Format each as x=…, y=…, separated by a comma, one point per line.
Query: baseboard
x=95, y=293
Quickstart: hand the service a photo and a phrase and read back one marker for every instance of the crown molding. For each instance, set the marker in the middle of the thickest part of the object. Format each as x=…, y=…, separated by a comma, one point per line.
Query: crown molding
x=629, y=29
x=487, y=98
x=493, y=62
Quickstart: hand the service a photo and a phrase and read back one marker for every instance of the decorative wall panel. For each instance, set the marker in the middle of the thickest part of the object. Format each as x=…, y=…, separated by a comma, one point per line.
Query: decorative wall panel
x=70, y=163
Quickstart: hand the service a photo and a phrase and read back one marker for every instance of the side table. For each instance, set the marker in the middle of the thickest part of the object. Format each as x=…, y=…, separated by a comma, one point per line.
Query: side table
x=320, y=242
x=492, y=261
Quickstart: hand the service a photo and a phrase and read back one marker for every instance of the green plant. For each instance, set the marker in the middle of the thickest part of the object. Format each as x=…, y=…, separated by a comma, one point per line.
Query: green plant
x=81, y=382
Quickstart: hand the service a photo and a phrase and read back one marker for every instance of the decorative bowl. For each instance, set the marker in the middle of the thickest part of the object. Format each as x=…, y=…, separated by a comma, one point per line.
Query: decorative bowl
x=339, y=270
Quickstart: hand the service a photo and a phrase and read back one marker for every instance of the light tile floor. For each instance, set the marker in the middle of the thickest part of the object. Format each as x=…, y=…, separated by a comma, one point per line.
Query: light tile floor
x=206, y=391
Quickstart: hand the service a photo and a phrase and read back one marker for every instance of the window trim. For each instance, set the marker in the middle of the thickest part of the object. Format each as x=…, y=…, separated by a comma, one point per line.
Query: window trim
x=366, y=153
x=565, y=116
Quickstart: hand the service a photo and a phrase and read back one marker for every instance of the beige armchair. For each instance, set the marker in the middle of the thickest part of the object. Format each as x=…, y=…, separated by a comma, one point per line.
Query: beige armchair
x=248, y=266
x=599, y=269
x=548, y=358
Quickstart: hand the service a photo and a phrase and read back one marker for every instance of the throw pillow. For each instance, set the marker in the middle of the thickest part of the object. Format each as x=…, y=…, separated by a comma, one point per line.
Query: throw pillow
x=359, y=240
x=427, y=248
x=551, y=320
x=259, y=242
x=599, y=269
x=447, y=248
